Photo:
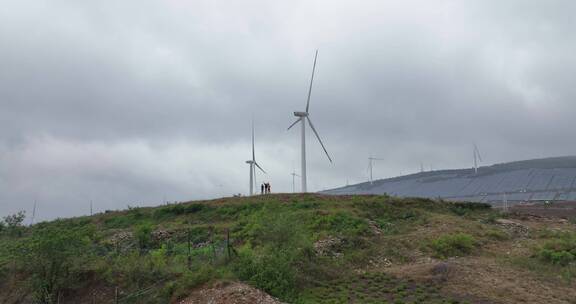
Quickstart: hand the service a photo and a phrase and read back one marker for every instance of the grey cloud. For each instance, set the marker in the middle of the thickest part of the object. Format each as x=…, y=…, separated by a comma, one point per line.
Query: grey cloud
x=126, y=102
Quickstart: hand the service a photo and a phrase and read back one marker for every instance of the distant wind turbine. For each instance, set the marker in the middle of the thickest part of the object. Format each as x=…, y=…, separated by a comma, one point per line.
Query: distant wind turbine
x=303, y=117
x=294, y=175
x=371, y=166
x=253, y=164
x=477, y=158
x=33, y=214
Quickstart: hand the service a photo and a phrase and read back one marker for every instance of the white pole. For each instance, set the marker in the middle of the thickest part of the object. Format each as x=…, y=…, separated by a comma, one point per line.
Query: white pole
x=370, y=166
x=475, y=163
x=304, y=187
x=251, y=179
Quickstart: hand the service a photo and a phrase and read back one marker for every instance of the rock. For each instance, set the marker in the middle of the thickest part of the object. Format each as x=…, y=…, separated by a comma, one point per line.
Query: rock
x=328, y=247
x=441, y=271
x=514, y=228
x=374, y=227
x=161, y=235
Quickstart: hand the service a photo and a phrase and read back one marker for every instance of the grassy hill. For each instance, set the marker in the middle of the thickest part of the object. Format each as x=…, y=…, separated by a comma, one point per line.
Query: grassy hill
x=298, y=248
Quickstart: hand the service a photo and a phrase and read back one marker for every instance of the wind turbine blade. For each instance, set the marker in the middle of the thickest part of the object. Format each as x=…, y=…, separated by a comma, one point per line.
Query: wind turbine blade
x=253, y=153
x=257, y=165
x=477, y=152
x=311, y=81
x=297, y=121
x=318, y=136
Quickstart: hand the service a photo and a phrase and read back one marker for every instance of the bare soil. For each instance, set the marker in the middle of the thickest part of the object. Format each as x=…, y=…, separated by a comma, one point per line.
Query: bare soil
x=228, y=293
x=486, y=277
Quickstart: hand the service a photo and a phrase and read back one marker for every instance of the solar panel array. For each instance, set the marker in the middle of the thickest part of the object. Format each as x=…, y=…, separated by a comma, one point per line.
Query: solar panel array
x=514, y=184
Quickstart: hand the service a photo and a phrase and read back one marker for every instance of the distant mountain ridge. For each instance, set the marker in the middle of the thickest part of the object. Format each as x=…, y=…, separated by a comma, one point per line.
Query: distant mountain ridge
x=527, y=180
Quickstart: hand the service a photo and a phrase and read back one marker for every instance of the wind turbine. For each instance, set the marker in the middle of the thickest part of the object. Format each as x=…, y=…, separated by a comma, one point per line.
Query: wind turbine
x=252, y=164
x=477, y=158
x=33, y=214
x=371, y=166
x=303, y=117
x=294, y=175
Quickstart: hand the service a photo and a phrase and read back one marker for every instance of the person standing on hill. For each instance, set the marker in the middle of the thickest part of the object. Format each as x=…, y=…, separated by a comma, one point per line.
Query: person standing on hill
x=262, y=189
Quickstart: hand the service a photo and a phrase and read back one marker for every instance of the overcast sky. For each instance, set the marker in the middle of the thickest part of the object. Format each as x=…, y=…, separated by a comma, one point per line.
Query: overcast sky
x=130, y=102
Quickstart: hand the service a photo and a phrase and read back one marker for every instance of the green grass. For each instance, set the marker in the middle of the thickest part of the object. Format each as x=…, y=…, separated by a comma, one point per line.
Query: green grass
x=449, y=245
x=373, y=287
x=271, y=240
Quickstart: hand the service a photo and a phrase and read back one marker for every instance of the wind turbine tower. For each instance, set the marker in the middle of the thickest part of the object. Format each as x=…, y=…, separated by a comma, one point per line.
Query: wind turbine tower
x=33, y=214
x=253, y=164
x=302, y=118
x=477, y=158
x=371, y=166
x=294, y=175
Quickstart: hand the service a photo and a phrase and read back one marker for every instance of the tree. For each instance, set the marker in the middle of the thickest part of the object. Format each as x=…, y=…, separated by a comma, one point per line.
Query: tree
x=13, y=223
x=53, y=256
x=143, y=234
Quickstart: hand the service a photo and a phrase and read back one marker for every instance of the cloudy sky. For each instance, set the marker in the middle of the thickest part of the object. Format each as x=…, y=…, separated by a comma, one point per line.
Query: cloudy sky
x=134, y=102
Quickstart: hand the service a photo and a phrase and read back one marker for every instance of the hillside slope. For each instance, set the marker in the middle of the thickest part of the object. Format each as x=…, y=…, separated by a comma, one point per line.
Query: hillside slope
x=530, y=180
x=297, y=249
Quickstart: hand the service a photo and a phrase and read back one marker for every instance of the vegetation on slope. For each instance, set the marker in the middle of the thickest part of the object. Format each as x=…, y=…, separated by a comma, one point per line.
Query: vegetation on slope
x=299, y=248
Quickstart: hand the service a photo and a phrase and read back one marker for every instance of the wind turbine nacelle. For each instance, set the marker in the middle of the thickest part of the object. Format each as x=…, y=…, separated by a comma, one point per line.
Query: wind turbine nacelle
x=300, y=114
x=249, y=162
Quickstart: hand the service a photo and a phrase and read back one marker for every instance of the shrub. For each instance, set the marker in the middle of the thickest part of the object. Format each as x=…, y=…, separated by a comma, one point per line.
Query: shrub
x=341, y=223
x=54, y=257
x=497, y=235
x=272, y=272
x=559, y=251
x=197, y=276
x=178, y=209
x=143, y=234
x=138, y=270
x=463, y=208
x=13, y=223
x=453, y=245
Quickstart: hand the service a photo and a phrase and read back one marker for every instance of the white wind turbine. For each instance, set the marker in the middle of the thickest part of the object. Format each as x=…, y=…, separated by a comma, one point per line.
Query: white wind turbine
x=253, y=164
x=477, y=158
x=294, y=175
x=303, y=117
x=371, y=166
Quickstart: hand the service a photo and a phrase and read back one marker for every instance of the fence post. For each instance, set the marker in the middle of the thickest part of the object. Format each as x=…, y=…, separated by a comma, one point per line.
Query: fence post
x=212, y=243
x=116, y=295
x=228, y=242
x=189, y=251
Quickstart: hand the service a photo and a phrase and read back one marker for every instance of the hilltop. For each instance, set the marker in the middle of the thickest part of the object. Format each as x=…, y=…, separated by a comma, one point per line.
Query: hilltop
x=302, y=248
x=547, y=179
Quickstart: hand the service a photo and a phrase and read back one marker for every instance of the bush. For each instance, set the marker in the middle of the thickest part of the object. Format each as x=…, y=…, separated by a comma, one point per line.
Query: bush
x=463, y=208
x=197, y=276
x=341, y=223
x=138, y=270
x=453, y=245
x=12, y=224
x=272, y=272
x=178, y=209
x=54, y=257
x=560, y=251
x=143, y=234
